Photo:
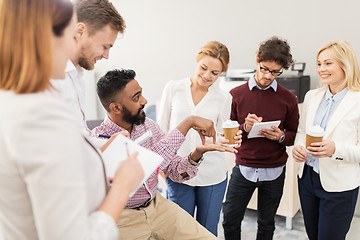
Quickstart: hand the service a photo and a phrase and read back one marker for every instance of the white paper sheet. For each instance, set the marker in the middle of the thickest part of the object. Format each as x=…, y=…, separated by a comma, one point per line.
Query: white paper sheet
x=257, y=127
x=117, y=152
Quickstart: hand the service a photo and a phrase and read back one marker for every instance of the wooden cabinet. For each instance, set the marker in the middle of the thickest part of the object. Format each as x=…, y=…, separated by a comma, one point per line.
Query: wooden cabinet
x=290, y=202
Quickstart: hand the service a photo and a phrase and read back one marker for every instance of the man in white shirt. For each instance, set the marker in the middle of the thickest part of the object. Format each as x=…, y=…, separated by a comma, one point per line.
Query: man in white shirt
x=99, y=24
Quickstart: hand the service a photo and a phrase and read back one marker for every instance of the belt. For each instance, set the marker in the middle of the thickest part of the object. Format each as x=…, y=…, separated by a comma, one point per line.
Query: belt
x=144, y=205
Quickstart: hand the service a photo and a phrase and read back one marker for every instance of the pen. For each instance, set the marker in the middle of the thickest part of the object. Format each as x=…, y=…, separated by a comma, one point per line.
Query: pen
x=127, y=148
x=104, y=136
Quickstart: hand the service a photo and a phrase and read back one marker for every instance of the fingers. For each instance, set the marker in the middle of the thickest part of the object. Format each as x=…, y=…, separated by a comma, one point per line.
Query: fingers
x=214, y=135
x=250, y=120
x=129, y=173
x=299, y=154
x=253, y=118
x=238, y=139
x=325, y=148
x=224, y=148
x=274, y=134
x=205, y=128
x=224, y=141
x=203, y=140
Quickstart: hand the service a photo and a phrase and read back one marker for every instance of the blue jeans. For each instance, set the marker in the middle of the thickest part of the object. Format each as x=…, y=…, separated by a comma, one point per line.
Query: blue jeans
x=207, y=199
x=238, y=196
x=327, y=215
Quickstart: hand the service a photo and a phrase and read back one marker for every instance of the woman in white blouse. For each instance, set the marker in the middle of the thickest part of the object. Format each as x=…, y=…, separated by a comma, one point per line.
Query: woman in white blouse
x=52, y=181
x=329, y=173
x=199, y=96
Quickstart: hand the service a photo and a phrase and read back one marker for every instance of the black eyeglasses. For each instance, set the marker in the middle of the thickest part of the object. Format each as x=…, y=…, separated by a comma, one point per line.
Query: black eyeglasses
x=274, y=73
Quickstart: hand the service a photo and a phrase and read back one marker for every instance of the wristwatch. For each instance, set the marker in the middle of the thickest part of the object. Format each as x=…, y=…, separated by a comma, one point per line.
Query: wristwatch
x=281, y=139
x=193, y=162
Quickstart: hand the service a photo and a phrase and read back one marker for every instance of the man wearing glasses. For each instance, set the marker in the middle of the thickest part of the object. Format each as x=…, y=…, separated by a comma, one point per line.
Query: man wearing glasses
x=260, y=161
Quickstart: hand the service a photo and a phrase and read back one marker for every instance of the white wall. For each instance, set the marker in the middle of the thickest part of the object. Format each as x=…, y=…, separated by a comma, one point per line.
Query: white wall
x=163, y=36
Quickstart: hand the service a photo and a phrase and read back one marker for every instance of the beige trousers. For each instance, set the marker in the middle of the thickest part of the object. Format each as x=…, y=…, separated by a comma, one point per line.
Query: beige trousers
x=162, y=219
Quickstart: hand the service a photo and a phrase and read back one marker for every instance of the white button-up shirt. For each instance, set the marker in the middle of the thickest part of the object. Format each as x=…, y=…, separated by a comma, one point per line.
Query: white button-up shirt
x=176, y=105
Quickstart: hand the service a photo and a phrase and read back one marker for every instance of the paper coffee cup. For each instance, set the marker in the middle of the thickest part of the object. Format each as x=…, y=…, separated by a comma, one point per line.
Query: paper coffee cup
x=314, y=134
x=230, y=129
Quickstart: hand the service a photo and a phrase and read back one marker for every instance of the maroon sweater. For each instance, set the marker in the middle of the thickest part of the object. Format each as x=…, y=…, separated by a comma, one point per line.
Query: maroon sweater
x=270, y=105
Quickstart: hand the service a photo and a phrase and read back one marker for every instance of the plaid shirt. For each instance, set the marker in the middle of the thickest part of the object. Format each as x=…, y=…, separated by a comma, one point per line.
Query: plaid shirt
x=166, y=146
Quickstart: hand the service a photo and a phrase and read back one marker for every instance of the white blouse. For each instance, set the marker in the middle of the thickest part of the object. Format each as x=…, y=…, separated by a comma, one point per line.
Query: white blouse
x=176, y=105
x=51, y=179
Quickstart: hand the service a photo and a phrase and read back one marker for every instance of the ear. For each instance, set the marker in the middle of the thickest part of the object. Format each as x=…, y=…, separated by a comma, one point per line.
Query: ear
x=81, y=29
x=115, y=108
x=257, y=59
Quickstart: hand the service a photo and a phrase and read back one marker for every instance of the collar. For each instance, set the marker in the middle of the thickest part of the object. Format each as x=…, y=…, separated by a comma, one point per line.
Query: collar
x=337, y=97
x=116, y=128
x=111, y=125
x=71, y=68
x=252, y=84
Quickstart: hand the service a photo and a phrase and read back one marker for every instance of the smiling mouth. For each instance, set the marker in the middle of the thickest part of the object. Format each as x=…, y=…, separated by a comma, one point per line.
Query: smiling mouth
x=324, y=75
x=205, y=80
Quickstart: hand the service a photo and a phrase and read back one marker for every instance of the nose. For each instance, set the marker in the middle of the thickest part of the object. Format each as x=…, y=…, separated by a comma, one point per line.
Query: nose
x=143, y=101
x=268, y=75
x=321, y=67
x=106, y=54
x=207, y=75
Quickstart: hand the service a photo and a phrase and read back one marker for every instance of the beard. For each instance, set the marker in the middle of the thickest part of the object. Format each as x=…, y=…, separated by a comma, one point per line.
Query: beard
x=85, y=63
x=137, y=119
x=84, y=60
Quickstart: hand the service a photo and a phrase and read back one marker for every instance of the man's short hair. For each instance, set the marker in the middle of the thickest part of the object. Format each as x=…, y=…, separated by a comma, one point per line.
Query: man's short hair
x=112, y=83
x=275, y=50
x=96, y=14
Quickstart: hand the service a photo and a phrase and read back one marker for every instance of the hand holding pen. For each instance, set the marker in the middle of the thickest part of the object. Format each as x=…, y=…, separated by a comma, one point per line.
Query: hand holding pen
x=250, y=120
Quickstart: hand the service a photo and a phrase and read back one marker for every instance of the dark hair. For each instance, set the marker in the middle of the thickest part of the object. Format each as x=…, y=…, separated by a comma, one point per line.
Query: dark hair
x=61, y=16
x=111, y=84
x=96, y=14
x=275, y=50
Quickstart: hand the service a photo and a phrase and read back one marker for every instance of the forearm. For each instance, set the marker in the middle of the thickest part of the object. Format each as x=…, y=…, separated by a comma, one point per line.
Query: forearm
x=196, y=155
x=185, y=125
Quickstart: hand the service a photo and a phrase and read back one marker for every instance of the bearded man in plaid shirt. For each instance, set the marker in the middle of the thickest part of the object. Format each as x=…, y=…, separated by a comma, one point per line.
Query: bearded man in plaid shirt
x=147, y=213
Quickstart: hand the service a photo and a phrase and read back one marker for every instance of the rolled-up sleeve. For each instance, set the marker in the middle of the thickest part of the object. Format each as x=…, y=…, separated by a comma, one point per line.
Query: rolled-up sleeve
x=174, y=165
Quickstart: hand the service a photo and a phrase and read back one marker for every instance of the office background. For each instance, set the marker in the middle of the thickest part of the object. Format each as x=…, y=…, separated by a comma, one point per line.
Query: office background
x=163, y=36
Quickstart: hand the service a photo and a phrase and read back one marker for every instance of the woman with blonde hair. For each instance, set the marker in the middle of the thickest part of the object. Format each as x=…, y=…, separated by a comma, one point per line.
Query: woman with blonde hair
x=329, y=174
x=52, y=179
x=199, y=96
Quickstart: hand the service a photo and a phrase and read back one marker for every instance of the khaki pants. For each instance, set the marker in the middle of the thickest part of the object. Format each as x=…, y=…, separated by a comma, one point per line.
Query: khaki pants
x=162, y=219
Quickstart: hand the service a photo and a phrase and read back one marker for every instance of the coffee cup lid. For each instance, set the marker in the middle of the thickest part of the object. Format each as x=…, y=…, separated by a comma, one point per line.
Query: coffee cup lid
x=230, y=124
x=315, y=131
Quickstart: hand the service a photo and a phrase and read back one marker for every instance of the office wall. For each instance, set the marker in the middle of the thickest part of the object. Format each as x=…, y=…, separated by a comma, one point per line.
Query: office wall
x=163, y=36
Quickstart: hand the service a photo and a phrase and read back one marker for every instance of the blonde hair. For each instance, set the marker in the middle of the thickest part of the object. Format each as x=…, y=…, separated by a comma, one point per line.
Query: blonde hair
x=344, y=54
x=216, y=50
x=27, y=28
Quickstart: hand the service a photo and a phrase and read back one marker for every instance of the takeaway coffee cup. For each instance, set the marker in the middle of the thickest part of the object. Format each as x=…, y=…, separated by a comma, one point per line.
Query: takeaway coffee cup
x=230, y=129
x=314, y=134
